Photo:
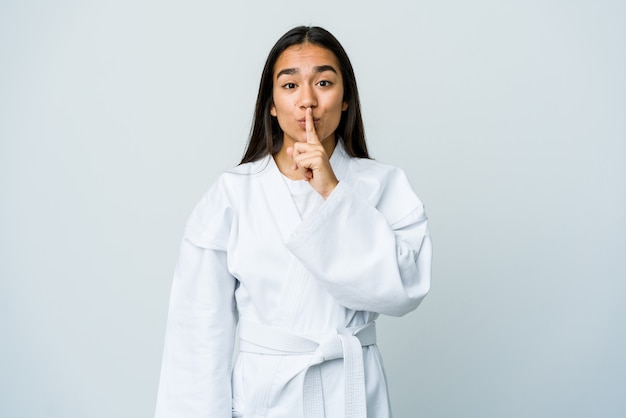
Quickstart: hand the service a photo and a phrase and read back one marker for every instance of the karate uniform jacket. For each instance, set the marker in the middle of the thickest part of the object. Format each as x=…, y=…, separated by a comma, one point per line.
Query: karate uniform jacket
x=305, y=293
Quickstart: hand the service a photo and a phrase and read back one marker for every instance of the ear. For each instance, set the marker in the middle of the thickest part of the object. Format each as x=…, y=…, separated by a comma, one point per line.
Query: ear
x=273, y=109
x=344, y=106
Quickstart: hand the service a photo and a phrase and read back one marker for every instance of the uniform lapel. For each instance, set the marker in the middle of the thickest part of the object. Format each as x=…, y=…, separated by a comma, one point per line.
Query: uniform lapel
x=339, y=160
x=282, y=206
x=279, y=200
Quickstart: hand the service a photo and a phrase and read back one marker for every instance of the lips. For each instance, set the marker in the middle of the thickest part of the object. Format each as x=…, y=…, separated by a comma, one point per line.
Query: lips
x=302, y=122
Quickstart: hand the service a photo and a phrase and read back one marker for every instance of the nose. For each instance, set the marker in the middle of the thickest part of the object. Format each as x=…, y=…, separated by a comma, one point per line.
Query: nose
x=307, y=97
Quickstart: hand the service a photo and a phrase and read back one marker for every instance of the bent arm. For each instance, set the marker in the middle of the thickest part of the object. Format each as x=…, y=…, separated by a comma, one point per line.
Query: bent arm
x=363, y=260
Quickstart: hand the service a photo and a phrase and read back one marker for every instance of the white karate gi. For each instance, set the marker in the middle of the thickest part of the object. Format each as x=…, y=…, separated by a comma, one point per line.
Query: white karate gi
x=300, y=289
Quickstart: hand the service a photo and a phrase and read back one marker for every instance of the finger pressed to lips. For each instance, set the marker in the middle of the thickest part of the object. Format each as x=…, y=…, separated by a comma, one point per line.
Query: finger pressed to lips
x=303, y=122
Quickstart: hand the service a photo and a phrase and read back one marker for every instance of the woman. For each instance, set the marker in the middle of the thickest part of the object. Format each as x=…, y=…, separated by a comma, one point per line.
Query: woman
x=301, y=246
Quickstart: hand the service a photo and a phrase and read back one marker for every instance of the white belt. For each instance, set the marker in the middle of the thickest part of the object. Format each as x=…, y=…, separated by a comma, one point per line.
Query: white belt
x=345, y=343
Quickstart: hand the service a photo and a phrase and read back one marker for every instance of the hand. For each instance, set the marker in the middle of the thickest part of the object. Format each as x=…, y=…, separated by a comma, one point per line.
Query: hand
x=311, y=160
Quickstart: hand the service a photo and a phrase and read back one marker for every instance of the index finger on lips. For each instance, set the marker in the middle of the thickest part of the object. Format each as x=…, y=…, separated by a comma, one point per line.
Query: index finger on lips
x=311, y=135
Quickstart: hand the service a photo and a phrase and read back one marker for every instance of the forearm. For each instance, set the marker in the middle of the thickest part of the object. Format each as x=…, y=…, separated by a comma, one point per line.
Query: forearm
x=363, y=261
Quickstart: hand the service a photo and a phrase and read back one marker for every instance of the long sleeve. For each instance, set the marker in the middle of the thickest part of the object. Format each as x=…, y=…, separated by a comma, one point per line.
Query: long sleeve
x=370, y=253
x=195, y=375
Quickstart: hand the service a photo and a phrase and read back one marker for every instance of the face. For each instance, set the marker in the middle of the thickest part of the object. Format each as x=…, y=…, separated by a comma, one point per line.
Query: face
x=307, y=75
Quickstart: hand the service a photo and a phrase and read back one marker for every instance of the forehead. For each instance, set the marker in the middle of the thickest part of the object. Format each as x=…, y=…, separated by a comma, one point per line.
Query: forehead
x=305, y=56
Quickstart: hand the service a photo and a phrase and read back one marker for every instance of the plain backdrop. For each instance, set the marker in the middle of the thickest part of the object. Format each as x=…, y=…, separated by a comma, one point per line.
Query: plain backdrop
x=508, y=117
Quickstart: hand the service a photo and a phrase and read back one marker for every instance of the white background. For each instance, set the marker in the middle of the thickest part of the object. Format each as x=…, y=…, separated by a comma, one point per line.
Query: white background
x=508, y=117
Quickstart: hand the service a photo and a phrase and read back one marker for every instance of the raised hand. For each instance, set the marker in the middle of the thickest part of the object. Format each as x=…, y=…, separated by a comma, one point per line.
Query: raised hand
x=311, y=159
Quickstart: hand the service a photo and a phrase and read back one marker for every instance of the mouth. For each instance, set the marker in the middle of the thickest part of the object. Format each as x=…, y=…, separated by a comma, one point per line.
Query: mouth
x=302, y=122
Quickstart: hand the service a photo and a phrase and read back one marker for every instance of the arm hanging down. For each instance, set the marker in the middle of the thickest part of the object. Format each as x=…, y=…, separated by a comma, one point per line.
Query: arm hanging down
x=196, y=370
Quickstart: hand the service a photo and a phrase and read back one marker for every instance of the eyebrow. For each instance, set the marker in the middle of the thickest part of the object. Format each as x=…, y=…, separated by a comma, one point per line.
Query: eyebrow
x=318, y=69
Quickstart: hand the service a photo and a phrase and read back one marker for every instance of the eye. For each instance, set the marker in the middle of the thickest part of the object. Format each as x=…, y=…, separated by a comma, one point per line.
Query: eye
x=289, y=86
x=324, y=83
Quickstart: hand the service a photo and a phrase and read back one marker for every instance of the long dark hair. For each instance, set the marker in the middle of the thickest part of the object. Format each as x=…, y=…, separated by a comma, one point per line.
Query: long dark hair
x=266, y=137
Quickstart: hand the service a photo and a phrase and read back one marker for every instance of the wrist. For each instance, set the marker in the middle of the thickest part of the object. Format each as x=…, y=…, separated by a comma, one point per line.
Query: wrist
x=329, y=190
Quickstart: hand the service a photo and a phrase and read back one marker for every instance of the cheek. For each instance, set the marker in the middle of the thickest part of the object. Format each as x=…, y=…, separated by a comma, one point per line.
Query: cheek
x=340, y=104
x=277, y=100
x=339, y=108
x=282, y=106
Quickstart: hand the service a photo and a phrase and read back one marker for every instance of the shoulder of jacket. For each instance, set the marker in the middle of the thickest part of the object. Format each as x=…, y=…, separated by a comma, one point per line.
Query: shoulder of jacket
x=373, y=170
x=385, y=186
x=227, y=189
